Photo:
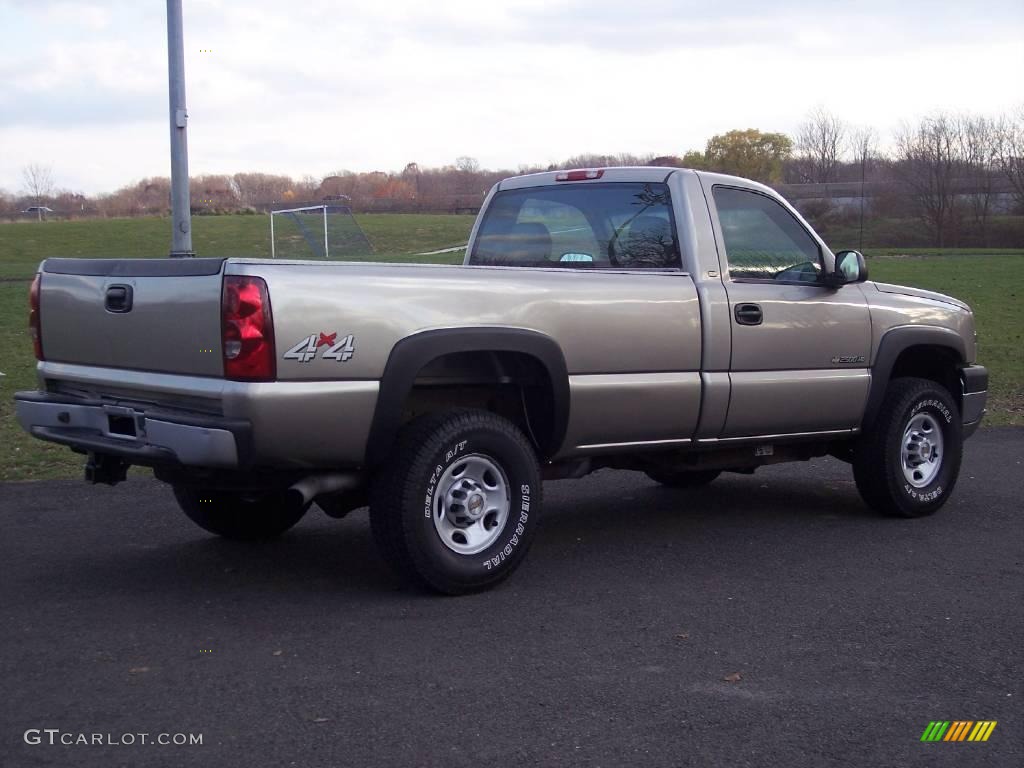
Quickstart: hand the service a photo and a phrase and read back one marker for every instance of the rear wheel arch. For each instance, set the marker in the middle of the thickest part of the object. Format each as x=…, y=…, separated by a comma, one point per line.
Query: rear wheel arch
x=926, y=352
x=495, y=350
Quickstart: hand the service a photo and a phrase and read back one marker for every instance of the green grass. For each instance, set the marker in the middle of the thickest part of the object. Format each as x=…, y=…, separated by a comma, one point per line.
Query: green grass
x=22, y=457
x=991, y=283
x=393, y=236
x=909, y=252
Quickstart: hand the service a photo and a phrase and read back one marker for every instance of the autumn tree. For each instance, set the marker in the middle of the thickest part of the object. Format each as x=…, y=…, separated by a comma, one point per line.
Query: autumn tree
x=750, y=153
x=215, y=192
x=695, y=159
x=591, y=160
x=667, y=161
x=337, y=185
x=254, y=188
x=395, y=188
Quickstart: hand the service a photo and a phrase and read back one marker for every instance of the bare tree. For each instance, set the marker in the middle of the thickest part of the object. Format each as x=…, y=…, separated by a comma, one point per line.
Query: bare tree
x=979, y=150
x=820, y=142
x=863, y=147
x=1010, y=152
x=6, y=202
x=467, y=164
x=929, y=160
x=38, y=183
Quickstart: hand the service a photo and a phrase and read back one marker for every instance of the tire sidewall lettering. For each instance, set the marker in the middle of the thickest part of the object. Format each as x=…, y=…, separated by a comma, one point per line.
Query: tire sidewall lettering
x=450, y=455
x=931, y=403
x=508, y=549
x=937, y=488
x=923, y=497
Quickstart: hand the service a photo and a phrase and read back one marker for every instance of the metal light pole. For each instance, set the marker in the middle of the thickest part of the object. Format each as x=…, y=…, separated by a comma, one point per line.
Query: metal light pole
x=181, y=234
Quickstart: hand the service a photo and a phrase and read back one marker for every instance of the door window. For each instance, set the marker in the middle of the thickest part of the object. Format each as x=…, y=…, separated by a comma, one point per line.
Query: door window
x=763, y=241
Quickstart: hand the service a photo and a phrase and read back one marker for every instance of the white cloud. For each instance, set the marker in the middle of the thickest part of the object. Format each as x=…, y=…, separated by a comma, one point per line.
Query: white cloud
x=317, y=86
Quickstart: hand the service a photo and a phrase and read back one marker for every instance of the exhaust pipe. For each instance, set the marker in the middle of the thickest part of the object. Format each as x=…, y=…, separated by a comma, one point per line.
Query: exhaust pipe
x=312, y=486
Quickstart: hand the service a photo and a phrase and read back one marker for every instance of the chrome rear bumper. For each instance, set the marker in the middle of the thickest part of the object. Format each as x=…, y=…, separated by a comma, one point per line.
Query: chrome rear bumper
x=148, y=437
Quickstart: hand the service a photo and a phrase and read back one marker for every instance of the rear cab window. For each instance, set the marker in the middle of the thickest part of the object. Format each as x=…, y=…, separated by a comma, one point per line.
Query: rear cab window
x=618, y=225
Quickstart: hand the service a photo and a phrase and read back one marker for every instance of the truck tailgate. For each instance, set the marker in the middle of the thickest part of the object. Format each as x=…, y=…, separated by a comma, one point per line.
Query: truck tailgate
x=146, y=314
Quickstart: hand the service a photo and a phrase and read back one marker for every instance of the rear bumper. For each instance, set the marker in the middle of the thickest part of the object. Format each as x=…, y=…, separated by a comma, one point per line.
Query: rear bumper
x=151, y=437
x=974, y=379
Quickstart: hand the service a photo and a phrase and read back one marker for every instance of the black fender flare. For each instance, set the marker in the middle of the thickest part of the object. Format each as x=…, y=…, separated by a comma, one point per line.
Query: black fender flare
x=411, y=354
x=894, y=342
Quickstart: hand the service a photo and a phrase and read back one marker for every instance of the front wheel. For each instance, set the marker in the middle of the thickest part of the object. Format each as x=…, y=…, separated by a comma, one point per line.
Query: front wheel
x=458, y=504
x=240, y=516
x=908, y=461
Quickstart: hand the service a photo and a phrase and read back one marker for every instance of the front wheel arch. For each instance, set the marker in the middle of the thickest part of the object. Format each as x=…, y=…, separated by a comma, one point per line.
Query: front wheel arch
x=928, y=352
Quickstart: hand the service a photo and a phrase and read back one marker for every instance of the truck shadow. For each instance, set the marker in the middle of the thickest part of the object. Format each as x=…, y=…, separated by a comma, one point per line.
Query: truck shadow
x=613, y=513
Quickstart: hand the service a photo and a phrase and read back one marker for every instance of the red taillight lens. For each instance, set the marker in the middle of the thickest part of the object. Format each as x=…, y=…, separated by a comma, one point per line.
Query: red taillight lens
x=247, y=330
x=34, y=326
x=585, y=174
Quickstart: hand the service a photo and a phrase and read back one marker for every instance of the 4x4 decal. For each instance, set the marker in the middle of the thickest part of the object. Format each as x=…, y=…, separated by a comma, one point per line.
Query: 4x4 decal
x=306, y=350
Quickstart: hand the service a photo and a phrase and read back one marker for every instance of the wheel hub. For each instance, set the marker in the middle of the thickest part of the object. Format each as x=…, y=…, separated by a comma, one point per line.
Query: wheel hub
x=922, y=450
x=471, y=504
x=465, y=502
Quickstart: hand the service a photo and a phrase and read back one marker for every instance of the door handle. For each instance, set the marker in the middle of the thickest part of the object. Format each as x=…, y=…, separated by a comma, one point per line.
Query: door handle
x=749, y=314
x=118, y=299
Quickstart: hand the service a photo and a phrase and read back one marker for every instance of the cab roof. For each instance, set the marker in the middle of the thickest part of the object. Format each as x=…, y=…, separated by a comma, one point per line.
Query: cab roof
x=643, y=173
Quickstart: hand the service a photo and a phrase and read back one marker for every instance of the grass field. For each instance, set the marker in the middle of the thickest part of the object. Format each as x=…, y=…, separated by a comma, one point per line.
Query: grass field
x=990, y=281
x=394, y=236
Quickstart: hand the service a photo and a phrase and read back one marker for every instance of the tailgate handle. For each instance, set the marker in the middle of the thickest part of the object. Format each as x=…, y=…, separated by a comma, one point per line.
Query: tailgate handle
x=119, y=298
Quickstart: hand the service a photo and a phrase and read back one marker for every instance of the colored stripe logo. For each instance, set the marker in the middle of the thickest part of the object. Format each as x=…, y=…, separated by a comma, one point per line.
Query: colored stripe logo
x=958, y=730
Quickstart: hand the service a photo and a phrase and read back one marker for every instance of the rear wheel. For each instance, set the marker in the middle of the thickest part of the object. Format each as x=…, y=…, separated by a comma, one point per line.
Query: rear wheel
x=678, y=478
x=457, y=506
x=908, y=461
x=240, y=516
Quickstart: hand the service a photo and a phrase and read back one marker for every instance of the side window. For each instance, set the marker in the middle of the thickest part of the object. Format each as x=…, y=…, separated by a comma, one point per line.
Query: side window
x=617, y=225
x=762, y=239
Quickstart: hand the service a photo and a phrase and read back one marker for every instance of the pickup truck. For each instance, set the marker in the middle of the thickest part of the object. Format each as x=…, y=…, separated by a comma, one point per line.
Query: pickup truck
x=660, y=320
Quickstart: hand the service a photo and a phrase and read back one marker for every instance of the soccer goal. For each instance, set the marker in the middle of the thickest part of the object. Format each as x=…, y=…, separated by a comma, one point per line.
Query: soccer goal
x=320, y=231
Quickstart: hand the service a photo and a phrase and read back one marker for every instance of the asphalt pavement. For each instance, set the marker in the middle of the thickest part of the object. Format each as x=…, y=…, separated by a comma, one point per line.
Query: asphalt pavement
x=767, y=620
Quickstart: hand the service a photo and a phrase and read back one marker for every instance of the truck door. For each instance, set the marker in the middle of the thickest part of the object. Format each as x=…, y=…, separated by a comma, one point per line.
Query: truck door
x=800, y=349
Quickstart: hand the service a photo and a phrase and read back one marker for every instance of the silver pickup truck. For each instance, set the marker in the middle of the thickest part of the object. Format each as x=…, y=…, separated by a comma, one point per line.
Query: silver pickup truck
x=667, y=321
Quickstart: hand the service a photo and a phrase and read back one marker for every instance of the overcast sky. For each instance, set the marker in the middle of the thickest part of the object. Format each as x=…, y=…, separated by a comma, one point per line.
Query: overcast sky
x=313, y=86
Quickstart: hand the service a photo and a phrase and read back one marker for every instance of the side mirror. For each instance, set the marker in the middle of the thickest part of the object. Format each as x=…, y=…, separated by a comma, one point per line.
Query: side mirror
x=850, y=268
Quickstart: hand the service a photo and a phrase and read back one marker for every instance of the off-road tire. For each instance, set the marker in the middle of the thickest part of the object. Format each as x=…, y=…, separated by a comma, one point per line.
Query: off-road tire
x=878, y=460
x=679, y=478
x=240, y=516
x=407, y=493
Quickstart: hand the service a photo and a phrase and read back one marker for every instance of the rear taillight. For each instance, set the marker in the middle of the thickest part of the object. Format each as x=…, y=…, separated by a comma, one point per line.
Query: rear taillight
x=247, y=330
x=34, y=326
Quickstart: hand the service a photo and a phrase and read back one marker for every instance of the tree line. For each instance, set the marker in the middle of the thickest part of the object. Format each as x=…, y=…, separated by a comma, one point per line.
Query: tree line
x=958, y=179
